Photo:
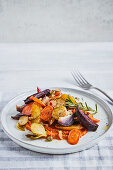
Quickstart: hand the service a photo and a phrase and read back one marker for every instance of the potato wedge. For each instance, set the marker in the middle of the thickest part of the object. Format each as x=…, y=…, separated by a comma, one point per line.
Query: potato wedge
x=78, y=126
x=21, y=128
x=38, y=129
x=36, y=109
x=23, y=120
x=33, y=136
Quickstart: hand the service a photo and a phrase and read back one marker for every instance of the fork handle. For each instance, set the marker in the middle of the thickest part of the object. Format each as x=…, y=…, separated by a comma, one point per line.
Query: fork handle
x=103, y=93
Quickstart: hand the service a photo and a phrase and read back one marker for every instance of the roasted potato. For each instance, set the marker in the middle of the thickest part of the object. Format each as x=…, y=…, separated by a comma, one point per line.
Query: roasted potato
x=57, y=102
x=59, y=112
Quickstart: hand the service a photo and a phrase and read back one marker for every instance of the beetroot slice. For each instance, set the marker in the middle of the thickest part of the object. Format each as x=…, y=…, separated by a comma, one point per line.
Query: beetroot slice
x=37, y=95
x=85, y=120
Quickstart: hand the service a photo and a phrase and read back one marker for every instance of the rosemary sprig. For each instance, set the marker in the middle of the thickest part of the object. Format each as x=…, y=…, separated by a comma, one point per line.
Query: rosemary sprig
x=69, y=103
x=96, y=107
x=96, y=110
x=83, y=106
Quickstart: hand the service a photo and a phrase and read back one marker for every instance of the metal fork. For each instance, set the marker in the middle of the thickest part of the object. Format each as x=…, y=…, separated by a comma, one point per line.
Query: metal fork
x=84, y=84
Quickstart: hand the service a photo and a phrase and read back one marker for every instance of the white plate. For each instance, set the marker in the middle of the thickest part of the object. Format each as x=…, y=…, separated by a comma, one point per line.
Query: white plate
x=57, y=147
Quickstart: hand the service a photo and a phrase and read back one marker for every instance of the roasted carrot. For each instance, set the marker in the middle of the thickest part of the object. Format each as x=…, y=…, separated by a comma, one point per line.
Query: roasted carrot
x=37, y=101
x=93, y=119
x=27, y=110
x=83, y=132
x=28, y=126
x=73, y=137
x=46, y=113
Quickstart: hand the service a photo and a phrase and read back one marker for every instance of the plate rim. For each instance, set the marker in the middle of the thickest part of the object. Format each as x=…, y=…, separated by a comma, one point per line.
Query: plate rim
x=47, y=148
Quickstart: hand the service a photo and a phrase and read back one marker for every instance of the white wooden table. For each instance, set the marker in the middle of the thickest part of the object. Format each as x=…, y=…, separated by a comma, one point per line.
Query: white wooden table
x=24, y=66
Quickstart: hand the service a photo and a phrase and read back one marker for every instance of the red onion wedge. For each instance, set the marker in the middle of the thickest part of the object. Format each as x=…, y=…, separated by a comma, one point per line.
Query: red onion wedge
x=67, y=120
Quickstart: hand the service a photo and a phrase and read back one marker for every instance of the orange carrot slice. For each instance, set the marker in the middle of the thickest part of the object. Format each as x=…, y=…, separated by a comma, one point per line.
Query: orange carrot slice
x=46, y=113
x=37, y=101
x=27, y=110
x=83, y=132
x=28, y=126
x=73, y=137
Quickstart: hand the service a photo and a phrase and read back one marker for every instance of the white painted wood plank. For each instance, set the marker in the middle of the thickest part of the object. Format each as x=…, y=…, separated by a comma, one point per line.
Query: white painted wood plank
x=86, y=56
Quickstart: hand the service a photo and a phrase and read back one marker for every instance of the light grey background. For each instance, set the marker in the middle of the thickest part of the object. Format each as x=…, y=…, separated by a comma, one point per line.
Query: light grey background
x=56, y=20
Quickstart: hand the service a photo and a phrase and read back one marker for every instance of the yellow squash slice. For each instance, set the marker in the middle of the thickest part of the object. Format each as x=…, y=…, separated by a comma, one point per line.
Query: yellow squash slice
x=21, y=128
x=33, y=136
x=36, y=109
x=38, y=129
x=23, y=120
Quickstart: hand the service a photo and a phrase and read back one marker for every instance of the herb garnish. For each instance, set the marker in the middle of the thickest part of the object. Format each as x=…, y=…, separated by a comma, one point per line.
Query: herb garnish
x=83, y=106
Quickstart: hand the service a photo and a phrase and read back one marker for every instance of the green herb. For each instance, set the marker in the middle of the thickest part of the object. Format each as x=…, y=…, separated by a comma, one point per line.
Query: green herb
x=86, y=106
x=96, y=107
x=94, y=110
x=69, y=103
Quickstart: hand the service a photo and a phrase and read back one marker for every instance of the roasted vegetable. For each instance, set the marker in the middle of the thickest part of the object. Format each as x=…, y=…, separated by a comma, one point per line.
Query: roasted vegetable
x=57, y=102
x=45, y=100
x=23, y=120
x=65, y=96
x=37, y=101
x=67, y=120
x=49, y=138
x=38, y=89
x=83, y=132
x=57, y=95
x=36, y=110
x=38, y=129
x=54, y=115
x=28, y=126
x=59, y=112
x=78, y=126
x=70, y=102
x=93, y=119
x=20, y=108
x=33, y=136
x=27, y=110
x=73, y=137
x=21, y=128
x=37, y=95
x=36, y=120
x=46, y=113
x=17, y=116
x=51, y=121
x=85, y=120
